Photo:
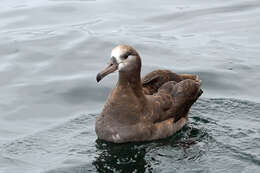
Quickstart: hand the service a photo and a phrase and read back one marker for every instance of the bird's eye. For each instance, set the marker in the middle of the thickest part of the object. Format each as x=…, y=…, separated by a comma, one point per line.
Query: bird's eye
x=125, y=56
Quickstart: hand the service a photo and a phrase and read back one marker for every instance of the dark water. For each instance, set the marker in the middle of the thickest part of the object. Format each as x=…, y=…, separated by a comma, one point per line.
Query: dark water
x=51, y=51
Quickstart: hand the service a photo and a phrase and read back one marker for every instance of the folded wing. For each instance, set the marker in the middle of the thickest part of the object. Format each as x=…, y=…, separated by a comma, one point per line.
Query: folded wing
x=174, y=93
x=155, y=79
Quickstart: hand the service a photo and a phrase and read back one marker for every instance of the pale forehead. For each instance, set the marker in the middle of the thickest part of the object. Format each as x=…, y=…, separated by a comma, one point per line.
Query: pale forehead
x=117, y=51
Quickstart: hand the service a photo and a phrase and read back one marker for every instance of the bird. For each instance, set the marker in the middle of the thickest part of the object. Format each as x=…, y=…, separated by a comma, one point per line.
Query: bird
x=144, y=109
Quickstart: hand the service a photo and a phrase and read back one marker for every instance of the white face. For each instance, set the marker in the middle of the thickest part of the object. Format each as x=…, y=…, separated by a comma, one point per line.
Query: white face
x=117, y=52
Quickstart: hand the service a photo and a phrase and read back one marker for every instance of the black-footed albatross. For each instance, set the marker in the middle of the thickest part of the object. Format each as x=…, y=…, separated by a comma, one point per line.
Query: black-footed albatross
x=143, y=110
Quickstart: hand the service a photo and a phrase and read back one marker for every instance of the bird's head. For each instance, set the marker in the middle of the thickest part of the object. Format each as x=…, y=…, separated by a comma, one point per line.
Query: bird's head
x=125, y=59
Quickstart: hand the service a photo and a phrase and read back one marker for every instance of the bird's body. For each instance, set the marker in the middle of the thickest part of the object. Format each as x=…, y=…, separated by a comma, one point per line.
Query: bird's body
x=142, y=110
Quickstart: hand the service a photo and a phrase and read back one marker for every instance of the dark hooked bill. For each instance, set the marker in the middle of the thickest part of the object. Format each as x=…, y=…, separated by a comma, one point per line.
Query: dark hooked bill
x=110, y=68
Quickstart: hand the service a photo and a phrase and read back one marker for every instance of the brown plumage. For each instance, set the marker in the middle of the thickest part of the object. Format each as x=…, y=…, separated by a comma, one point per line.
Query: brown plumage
x=142, y=110
x=155, y=79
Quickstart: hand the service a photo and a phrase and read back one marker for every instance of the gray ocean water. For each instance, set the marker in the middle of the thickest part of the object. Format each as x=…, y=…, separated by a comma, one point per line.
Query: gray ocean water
x=51, y=51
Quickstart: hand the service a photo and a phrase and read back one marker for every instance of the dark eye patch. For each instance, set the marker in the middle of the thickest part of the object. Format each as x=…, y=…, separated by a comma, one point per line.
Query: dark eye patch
x=125, y=55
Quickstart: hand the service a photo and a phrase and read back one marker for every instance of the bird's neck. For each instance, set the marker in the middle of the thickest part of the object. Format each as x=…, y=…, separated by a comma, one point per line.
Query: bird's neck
x=131, y=81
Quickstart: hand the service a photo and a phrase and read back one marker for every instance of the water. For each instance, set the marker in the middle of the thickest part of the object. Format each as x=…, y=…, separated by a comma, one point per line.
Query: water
x=52, y=50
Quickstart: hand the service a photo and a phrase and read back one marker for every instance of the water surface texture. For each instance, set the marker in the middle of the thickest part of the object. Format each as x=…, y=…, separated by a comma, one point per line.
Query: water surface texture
x=51, y=51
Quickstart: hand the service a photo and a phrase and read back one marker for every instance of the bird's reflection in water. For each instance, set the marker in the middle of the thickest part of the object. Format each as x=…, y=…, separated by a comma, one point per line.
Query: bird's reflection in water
x=129, y=157
x=145, y=156
x=140, y=157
